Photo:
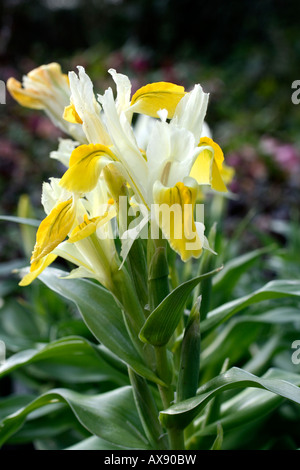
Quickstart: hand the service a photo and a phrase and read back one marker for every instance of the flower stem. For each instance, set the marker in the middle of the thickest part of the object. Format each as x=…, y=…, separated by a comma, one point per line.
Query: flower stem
x=158, y=284
x=165, y=372
x=125, y=293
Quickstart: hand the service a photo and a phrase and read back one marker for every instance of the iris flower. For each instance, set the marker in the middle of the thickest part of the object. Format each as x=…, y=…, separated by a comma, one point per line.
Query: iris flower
x=78, y=230
x=168, y=172
x=47, y=88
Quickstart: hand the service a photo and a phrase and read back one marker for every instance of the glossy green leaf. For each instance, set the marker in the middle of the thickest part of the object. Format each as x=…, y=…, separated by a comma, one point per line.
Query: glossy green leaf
x=247, y=406
x=217, y=445
x=272, y=290
x=181, y=414
x=111, y=416
x=158, y=277
x=148, y=411
x=207, y=262
x=72, y=360
x=18, y=326
x=95, y=443
x=162, y=322
x=13, y=403
x=53, y=423
x=188, y=376
x=101, y=314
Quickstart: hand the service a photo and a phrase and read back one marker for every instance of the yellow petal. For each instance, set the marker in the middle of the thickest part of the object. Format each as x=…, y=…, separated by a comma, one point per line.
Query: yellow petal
x=70, y=115
x=207, y=168
x=218, y=153
x=227, y=173
x=53, y=230
x=175, y=216
x=116, y=183
x=41, y=84
x=89, y=226
x=28, y=98
x=83, y=230
x=84, y=171
x=217, y=182
x=48, y=74
x=36, y=269
x=161, y=95
x=201, y=170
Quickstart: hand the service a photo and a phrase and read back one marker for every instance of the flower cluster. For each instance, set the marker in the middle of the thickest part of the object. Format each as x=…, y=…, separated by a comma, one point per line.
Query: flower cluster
x=152, y=149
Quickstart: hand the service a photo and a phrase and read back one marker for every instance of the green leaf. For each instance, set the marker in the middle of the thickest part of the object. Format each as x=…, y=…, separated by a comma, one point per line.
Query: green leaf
x=247, y=406
x=217, y=445
x=207, y=263
x=102, y=316
x=72, y=360
x=162, y=322
x=51, y=423
x=95, y=443
x=18, y=326
x=20, y=220
x=13, y=403
x=136, y=261
x=111, y=416
x=148, y=411
x=225, y=281
x=242, y=330
x=188, y=377
x=158, y=277
x=272, y=290
x=182, y=414
x=8, y=267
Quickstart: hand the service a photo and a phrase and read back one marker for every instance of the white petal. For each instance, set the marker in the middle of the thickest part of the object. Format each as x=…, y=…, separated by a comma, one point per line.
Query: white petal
x=158, y=150
x=142, y=129
x=123, y=90
x=190, y=111
x=63, y=153
x=80, y=272
x=125, y=145
x=52, y=193
x=206, y=131
x=70, y=252
x=87, y=108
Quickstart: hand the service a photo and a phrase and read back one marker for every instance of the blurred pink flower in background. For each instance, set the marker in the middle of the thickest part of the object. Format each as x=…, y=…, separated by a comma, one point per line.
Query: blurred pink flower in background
x=42, y=127
x=285, y=154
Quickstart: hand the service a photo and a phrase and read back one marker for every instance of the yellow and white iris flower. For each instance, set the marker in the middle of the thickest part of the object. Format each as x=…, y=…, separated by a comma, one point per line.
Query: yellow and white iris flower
x=168, y=172
x=47, y=88
x=165, y=174
x=78, y=230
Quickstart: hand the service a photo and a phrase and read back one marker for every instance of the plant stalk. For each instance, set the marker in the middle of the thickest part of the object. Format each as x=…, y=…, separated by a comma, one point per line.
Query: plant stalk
x=165, y=372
